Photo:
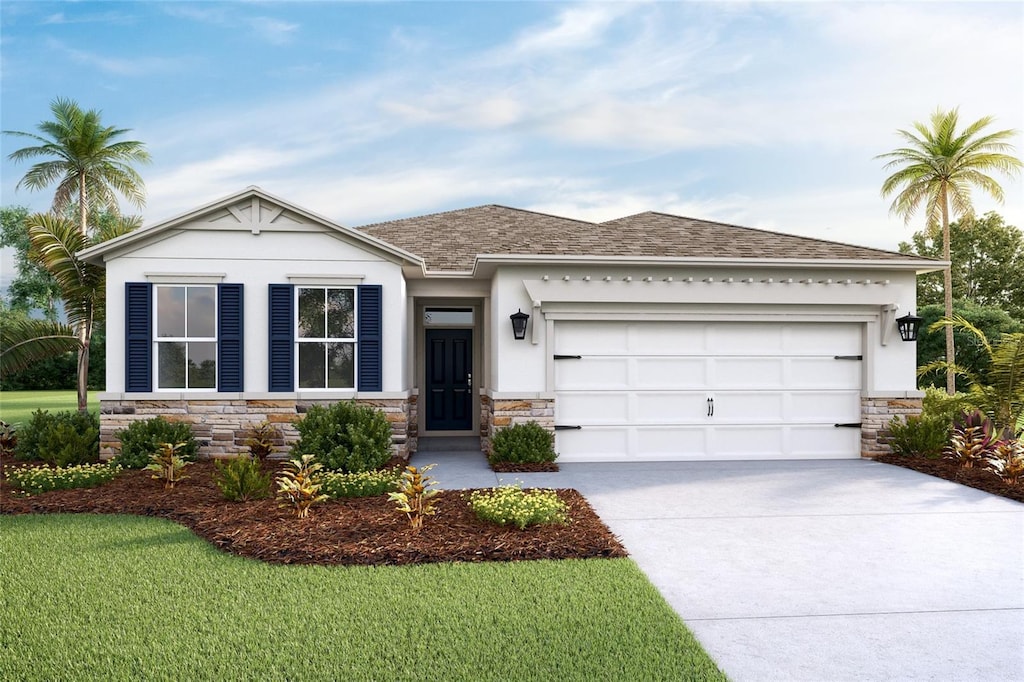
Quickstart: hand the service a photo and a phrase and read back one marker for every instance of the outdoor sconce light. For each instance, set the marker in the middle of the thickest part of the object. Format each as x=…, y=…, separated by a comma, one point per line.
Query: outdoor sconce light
x=519, y=320
x=908, y=325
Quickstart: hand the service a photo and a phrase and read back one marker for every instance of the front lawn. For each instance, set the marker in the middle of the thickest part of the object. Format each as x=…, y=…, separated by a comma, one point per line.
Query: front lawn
x=16, y=407
x=121, y=597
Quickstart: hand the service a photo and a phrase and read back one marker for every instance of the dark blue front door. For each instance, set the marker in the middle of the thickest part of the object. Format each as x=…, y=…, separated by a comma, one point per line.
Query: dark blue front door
x=449, y=359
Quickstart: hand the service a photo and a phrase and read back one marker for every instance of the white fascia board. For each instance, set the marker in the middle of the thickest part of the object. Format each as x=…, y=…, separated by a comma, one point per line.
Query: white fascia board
x=917, y=265
x=97, y=254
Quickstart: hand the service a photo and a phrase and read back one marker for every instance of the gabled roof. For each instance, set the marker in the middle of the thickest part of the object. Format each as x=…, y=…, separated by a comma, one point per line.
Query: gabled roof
x=453, y=241
x=266, y=211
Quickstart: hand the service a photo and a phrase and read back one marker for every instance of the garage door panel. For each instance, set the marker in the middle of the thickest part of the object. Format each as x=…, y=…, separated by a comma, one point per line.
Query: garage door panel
x=824, y=406
x=659, y=338
x=605, y=407
x=738, y=338
x=748, y=372
x=823, y=373
x=661, y=407
x=592, y=444
x=665, y=372
x=822, y=441
x=752, y=442
x=826, y=339
x=671, y=442
x=590, y=373
x=591, y=338
x=740, y=407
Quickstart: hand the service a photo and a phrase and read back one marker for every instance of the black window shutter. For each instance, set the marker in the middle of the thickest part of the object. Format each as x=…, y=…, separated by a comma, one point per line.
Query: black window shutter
x=230, y=338
x=282, y=338
x=368, y=338
x=138, y=347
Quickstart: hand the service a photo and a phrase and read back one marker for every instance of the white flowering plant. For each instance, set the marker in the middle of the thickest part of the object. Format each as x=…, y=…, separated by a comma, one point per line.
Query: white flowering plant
x=511, y=505
x=35, y=480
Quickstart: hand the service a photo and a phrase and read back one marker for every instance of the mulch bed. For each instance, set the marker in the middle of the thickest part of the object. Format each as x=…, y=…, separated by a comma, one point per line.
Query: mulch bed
x=359, y=531
x=523, y=467
x=982, y=479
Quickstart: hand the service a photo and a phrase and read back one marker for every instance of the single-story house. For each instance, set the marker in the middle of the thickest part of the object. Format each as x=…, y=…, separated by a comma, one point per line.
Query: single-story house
x=649, y=337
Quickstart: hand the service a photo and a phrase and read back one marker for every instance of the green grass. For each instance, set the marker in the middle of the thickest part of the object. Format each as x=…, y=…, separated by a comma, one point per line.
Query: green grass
x=120, y=597
x=17, y=406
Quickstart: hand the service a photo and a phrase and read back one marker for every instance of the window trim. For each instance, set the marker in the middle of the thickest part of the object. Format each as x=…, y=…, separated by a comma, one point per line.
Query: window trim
x=157, y=339
x=353, y=340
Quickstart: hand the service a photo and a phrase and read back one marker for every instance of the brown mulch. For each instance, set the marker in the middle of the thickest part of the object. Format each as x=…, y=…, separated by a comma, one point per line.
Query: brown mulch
x=363, y=531
x=523, y=467
x=982, y=479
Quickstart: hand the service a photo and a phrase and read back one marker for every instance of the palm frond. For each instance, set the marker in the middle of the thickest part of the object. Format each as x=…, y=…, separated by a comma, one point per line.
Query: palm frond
x=24, y=342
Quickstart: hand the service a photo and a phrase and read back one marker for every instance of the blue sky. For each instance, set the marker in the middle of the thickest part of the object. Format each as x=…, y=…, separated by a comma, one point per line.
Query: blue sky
x=762, y=114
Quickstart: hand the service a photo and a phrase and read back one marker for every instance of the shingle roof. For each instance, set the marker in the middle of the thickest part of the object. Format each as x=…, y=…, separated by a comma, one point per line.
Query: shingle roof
x=451, y=241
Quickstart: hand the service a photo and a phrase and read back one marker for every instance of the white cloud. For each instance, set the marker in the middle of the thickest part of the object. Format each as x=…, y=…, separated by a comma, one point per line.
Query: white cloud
x=273, y=31
x=575, y=27
x=134, y=66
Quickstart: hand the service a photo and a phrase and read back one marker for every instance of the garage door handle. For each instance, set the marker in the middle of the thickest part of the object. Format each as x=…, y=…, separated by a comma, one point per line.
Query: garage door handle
x=851, y=425
x=566, y=427
x=711, y=407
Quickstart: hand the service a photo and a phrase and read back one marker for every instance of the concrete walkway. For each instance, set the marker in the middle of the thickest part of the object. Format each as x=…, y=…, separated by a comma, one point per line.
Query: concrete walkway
x=820, y=570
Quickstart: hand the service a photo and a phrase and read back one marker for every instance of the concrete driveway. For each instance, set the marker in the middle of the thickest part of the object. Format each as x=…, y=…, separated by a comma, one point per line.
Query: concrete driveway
x=820, y=570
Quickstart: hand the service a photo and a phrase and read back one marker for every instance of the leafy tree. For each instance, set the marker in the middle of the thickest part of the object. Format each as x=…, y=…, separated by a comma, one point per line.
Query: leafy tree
x=992, y=322
x=90, y=165
x=33, y=288
x=988, y=259
x=999, y=390
x=937, y=170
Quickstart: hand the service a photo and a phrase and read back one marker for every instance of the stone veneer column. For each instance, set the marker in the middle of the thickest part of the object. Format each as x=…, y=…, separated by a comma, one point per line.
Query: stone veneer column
x=875, y=414
x=506, y=412
x=222, y=426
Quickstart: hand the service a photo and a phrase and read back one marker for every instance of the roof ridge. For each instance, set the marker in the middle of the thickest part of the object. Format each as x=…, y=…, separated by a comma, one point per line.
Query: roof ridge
x=765, y=231
x=472, y=208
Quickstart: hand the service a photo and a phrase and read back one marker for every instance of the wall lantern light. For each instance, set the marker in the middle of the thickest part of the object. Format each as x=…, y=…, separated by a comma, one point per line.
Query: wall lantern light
x=908, y=325
x=519, y=320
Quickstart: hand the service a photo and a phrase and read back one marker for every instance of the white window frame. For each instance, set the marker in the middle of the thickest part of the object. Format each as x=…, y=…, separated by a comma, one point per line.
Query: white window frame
x=325, y=340
x=158, y=340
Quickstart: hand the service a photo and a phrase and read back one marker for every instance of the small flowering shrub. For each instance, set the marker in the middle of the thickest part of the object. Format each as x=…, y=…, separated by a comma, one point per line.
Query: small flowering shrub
x=415, y=495
x=262, y=439
x=167, y=464
x=523, y=443
x=344, y=436
x=362, y=484
x=35, y=480
x=8, y=439
x=60, y=438
x=1007, y=460
x=972, y=440
x=142, y=438
x=512, y=506
x=241, y=479
x=297, y=487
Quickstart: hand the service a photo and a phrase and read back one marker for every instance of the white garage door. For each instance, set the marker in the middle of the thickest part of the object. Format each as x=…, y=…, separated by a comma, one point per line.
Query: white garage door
x=716, y=390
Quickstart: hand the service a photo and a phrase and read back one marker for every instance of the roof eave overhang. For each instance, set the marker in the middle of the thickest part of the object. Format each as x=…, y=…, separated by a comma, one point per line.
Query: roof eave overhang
x=485, y=264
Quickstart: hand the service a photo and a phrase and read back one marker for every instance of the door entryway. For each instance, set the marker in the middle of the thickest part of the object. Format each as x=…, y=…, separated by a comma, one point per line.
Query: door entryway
x=449, y=379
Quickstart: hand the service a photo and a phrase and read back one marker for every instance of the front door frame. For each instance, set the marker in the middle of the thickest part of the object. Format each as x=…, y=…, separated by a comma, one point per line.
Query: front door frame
x=479, y=380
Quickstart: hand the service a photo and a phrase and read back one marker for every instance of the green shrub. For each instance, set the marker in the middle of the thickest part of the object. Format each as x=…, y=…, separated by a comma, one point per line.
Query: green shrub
x=523, y=443
x=362, y=484
x=60, y=438
x=939, y=405
x=512, y=506
x=242, y=479
x=344, y=436
x=143, y=438
x=924, y=435
x=35, y=480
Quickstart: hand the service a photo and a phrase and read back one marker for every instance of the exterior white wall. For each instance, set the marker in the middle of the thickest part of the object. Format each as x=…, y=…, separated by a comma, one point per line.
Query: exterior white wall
x=258, y=260
x=521, y=367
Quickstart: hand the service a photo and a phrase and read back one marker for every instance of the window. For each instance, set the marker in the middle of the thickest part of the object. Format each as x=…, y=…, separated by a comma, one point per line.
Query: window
x=325, y=337
x=186, y=337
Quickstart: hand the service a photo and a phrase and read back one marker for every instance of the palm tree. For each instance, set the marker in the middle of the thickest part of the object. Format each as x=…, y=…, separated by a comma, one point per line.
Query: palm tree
x=937, y=169
x=88, y=163
x=91, y=167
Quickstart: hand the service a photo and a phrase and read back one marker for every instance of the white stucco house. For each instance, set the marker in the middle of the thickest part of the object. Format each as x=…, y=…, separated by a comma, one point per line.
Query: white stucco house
x=649, y=337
